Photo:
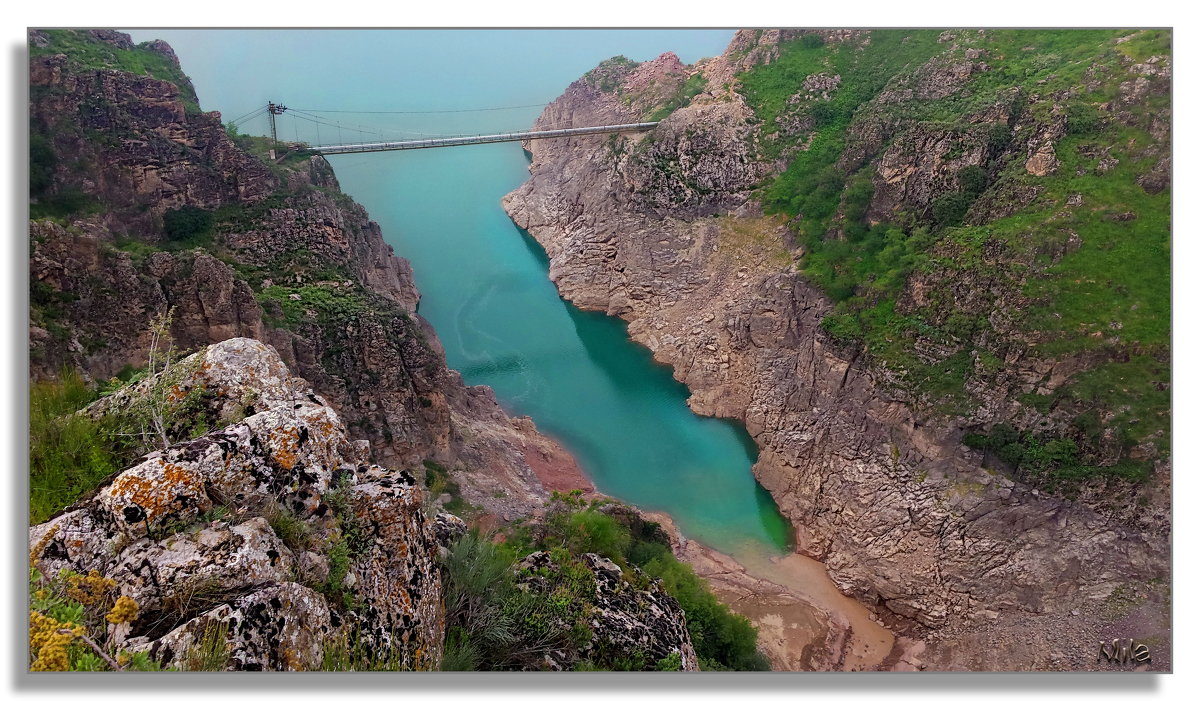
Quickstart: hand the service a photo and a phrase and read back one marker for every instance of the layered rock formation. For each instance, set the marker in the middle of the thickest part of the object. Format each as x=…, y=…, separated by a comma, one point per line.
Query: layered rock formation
x=660, y=229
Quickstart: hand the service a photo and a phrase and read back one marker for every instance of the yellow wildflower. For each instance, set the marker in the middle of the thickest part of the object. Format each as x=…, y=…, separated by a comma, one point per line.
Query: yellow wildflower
x=124, y=611
x=49, y=640
x=90, y=589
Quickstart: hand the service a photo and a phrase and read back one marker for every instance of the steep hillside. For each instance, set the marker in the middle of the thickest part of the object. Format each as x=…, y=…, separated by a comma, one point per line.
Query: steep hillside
x=930, y=272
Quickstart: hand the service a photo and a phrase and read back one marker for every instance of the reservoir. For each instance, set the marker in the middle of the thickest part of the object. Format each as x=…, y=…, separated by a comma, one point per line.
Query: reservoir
x=483, y=280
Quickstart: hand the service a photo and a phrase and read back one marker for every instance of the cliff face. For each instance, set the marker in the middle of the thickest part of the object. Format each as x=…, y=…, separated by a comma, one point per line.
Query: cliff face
x=142, y=203
x=663, y=230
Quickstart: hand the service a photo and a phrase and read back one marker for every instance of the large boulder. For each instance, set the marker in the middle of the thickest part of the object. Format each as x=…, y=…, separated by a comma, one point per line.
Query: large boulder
x=210, y=531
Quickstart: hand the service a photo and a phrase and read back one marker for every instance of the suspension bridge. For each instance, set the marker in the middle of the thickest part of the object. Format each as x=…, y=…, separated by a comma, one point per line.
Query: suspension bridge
x=382, y=143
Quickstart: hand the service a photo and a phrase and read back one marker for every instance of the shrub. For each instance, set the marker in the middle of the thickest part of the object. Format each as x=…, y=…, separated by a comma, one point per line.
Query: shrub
x=812, y=41
x=187, y=223
x=1082, y=119
x=1055, y=463
x=291, y=529
x=972, y=179
x=949, y=209
x=999, y=135
x=42, y=163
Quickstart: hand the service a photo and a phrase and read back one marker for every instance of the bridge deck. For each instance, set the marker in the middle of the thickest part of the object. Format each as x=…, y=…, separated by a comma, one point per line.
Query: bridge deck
x=479, y=139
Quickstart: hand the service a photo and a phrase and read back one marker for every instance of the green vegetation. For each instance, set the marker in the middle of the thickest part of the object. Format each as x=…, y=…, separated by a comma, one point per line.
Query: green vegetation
x=188, y=224
x=438, y=481
x=42, y=162
x=211, y=652
x=688, y=89
x=607, y=76
x=69, y=453
x=326, y=302
x=1052, y=463
x=59, y=206
x=1110, y=291
x=291, y=529
x=90, y=53
x=494, y=624
x=77, y=622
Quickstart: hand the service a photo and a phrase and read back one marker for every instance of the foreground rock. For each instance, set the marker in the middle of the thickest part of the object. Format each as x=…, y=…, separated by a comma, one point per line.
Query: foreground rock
x=626, y=621
x=187, y=534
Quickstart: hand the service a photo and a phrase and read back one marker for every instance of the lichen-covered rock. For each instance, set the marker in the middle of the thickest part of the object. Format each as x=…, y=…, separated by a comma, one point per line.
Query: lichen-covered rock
x=281, y=627
x=448, y=528
x=183, y=531
x=627, y=622
x=397, y=577
x=215, y=561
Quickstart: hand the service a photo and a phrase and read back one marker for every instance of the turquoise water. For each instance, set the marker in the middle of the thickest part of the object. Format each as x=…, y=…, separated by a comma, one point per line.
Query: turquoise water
x=484, y=281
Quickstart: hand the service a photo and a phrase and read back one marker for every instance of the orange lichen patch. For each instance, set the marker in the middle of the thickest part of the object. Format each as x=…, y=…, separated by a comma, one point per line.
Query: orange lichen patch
x=284, y=443
x=157, y=487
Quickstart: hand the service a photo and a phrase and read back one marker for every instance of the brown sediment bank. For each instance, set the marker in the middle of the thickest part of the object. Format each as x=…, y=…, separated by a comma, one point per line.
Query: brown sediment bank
x=804, y=622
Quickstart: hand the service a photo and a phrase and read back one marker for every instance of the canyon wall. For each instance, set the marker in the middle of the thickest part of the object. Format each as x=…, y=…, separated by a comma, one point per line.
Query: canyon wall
x=663, y=230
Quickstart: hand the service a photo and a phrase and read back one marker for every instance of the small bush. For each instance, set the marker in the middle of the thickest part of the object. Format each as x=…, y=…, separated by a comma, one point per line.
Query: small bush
x=291, y=529
x=1082, y=119
x=949, y=209
x=999, y=135
x=42, y=163
x=972, y=179
x=812, y=41
x=1055, y=463
x=187, y=223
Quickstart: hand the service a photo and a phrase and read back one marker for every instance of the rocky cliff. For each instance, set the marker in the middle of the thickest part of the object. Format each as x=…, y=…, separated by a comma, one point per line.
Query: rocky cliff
x=861, y=432
x=142, y=203
x=281, y=524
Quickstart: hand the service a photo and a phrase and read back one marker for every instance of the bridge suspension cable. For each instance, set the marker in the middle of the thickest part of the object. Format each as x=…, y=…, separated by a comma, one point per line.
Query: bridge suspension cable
x=474, y=109
x=432, y=140
x=383, y=132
